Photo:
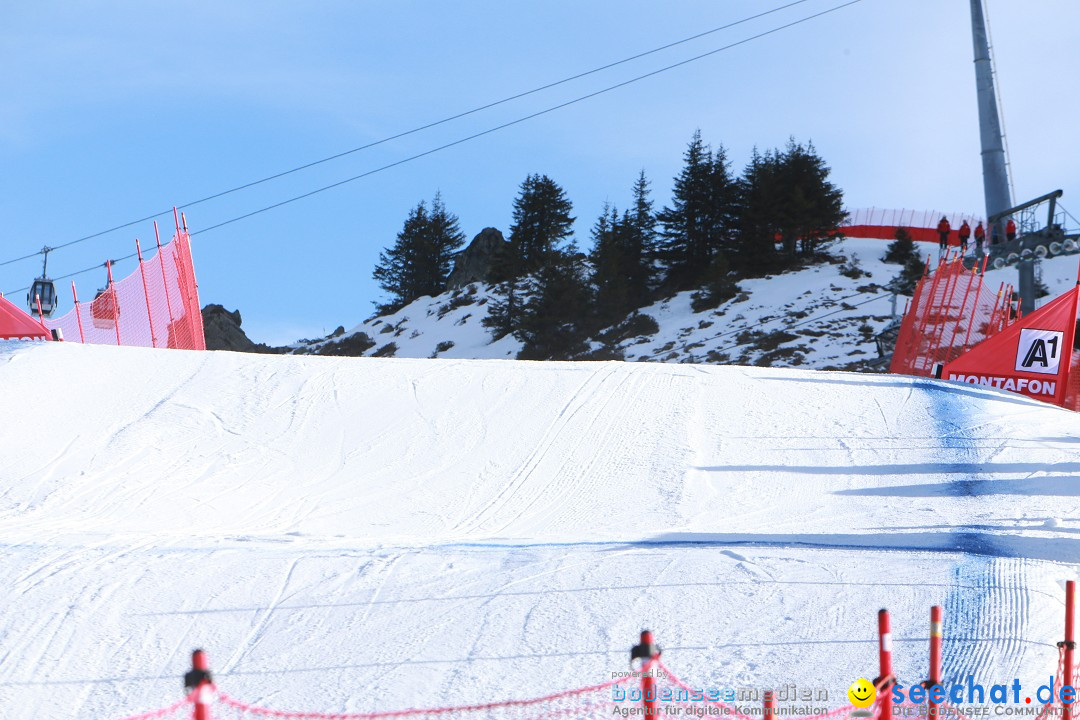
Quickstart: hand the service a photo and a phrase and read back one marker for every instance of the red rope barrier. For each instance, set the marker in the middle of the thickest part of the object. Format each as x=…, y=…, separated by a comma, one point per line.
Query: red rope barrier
x=163, y=712
x=300, y=715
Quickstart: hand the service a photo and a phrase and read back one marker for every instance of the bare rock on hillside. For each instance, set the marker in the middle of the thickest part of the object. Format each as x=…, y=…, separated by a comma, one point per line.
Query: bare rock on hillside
x=223, y=332
x=475, y=263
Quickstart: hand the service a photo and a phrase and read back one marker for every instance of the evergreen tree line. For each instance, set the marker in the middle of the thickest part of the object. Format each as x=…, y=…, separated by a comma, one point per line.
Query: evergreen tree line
x=718, y=229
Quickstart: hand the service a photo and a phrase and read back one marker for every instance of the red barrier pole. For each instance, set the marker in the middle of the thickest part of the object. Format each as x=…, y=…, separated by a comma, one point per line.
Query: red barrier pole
x=40, y=317
x=936, y=613
x=1068, y=644
x=199, y=681
x=770, y=704
x=78, y=316
x=990, y=326
x=963, y=307
x=971, y=321
x=948, y=293
x=921, y=332
x=647, y=651
x=161, y=262
x=146, y=294
x=884, y=681
x=115, y=303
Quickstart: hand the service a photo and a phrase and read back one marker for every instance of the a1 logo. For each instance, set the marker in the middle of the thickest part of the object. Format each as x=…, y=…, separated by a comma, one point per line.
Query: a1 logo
x=1039, y=351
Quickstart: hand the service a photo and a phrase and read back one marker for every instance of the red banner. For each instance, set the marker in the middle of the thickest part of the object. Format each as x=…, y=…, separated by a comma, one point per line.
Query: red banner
x=17, y=325
x=1031, y=357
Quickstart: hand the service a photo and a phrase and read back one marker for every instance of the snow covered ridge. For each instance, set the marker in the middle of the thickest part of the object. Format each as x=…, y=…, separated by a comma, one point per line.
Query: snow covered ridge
x=823, y=317
x=348, y=535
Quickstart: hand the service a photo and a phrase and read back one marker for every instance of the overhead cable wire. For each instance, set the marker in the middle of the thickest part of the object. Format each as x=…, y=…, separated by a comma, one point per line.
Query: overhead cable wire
x=528, y=117
x=483, y=133
x=420, y=128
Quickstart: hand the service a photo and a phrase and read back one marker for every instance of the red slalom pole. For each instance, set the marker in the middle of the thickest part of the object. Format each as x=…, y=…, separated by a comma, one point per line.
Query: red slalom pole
x=770, y=705
x=1069, y=645
x=936, y=615
x=884, y=681
x=647, y=651
x=199, y=681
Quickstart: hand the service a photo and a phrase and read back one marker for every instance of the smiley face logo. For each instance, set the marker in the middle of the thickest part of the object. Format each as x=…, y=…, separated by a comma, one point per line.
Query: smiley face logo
x=861, y=693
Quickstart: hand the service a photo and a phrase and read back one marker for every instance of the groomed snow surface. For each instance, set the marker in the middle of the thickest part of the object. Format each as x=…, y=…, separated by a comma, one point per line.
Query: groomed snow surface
x=355, y=534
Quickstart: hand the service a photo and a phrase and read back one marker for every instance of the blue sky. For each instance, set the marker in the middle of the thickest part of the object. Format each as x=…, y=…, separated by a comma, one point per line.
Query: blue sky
x=115, y=110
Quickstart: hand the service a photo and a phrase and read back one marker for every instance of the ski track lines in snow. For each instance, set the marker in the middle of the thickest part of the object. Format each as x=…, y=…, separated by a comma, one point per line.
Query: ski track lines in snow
x=356, y=535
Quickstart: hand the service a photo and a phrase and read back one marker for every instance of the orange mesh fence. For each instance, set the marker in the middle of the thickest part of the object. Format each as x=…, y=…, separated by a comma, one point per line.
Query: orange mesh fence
x=155, y=306
x=951, y=311
x=1072, y=393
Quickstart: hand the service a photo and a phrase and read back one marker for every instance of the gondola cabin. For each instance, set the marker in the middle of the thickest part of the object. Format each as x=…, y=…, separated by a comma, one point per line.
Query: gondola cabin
x=44, y=291
x=104, y=310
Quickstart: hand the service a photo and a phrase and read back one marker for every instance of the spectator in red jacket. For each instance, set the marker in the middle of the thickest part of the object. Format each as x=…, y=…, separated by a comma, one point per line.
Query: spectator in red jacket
x=980, y=236
x=943, y=229
x=965, y=236
x=1010, y=230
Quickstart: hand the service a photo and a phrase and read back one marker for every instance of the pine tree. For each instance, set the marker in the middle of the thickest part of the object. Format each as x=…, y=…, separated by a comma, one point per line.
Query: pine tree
x=610, y=274
x=700, y=220
x=421, y=258
x=541, y=221
x=554, y=323
x=504, y=315
x=640, y=227
x=811, y=208
x=903, y=251
x=786, y=197
x=900, y=249
x=446, y=239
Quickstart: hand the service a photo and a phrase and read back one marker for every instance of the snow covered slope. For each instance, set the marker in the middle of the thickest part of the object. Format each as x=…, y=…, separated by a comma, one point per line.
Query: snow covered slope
x=346, y=534
x=823, y=317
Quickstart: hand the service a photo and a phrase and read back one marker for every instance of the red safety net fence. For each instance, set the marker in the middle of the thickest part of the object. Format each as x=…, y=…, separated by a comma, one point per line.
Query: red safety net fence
x=921, y=224
x=951, y=311
x=155, y=306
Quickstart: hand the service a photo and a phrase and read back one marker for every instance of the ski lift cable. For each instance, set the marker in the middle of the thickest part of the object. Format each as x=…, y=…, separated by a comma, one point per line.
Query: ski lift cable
x=529, y=117
x=98, y=266
x=420, y=128
x=489, y=130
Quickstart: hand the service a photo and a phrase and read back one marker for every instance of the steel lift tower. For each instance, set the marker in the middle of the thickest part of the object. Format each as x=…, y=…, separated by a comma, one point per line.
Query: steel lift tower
x=995, y=173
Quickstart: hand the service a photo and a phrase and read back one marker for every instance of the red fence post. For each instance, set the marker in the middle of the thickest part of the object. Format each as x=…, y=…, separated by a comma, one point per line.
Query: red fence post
x=936, y=613
x=146, y=294
x=78, y=315
x=164, y=281
x=884, y=681
x=770, y=705
x=115, y=303
x=647, y=651
x=1069, y=645
x=199, y=681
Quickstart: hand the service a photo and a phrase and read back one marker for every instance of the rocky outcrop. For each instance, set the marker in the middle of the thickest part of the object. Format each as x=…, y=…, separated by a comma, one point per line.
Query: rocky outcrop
x=474, y=263
x=223, y=332
x=349, y=346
